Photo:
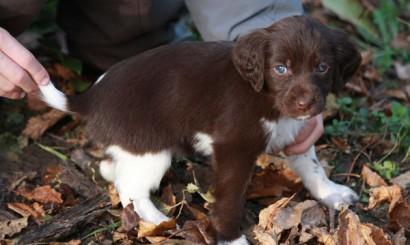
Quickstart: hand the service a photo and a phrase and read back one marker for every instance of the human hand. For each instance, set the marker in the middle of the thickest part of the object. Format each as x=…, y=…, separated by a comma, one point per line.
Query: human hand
x=309, y=134
x=20, y=72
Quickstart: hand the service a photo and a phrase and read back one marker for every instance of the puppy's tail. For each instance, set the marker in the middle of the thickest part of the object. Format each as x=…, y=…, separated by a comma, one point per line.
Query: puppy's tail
x=58, y=100
x=54, y=97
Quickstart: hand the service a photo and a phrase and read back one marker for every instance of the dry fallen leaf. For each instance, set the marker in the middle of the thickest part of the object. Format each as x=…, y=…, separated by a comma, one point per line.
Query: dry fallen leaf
x=113, y=194
x=399, y=206
x=11, y=227
x=399, y=216
x=36, y=126
x=148, y=229
x=400, y=237
x=25, y=210
x=42, y=194
x=379, y=195
x=323, y=236
x=129, y=218
x=269, y=182
x=168, y=198
x=341, y=144
x=198, y=231
x=282, y=216
x=198, y=215
x=121, y=238
x=61, y=71
x=371, y=177
x=351, y=231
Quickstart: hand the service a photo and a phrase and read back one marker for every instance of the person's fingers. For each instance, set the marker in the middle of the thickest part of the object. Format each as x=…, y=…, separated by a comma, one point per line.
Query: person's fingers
x=21, y=56
x=306, y=131
x=6, y=86
x=12, y=95
x=15, y=74
x=303, y=146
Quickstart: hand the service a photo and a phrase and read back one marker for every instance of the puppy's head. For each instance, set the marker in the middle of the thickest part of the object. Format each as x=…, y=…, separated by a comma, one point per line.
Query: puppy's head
x=296, y=62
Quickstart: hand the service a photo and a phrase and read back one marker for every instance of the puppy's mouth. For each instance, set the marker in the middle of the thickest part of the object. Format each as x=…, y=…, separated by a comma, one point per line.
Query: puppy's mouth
x=302, y=115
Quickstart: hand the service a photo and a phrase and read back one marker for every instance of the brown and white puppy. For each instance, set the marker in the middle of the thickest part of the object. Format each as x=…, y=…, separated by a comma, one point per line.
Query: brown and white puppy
x=229, y=101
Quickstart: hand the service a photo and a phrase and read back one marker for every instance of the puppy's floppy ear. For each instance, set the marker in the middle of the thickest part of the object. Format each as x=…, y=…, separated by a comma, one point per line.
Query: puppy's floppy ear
x=348, y=59
x=249, y=57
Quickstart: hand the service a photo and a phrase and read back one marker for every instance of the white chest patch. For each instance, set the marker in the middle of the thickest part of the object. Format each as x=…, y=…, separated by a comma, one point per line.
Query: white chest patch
x=280, y=133
x=203, y=143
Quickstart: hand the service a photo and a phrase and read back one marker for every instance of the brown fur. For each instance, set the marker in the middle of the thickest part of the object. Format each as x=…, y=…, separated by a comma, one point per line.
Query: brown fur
x=159, y=99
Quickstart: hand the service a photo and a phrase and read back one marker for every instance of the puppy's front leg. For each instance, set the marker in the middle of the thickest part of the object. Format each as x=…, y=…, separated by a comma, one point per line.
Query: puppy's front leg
x=309, y=169
x=232, y=171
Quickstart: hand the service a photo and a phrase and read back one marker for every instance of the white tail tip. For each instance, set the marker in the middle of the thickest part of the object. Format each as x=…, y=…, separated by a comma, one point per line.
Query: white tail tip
x=53, y=97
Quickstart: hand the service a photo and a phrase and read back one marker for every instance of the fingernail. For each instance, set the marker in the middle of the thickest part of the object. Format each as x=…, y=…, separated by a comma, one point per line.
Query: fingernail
x=22, y=95
x=44, y=82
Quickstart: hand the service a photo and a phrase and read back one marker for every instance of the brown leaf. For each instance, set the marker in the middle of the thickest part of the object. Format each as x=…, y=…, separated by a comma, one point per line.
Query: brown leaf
x=323, y=236
x=39, y=209
x=168, y=198
x=61, y=71
x=122, y=238
x=372, y=178
x=390, y=194
x=199, y=231
x=399, y=216
x=11, y=227
x=351, y=231
x=397, y=94
x=113, y=194
x=262, y=184
x=25, y=210
x=198, y=215
x=341, y=144
x=36, y=126
x=129, y=218
x=149, y=229
x=74, y=242
x=262, y=237
x=277, y=218
x=399, y=207
x=399, y=238
x=264, y=161
x=52, y=174
x=42, y=194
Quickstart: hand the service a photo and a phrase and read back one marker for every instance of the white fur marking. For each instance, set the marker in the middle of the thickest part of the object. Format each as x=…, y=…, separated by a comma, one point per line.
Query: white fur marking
x=239, y=241
x=281, y=132
x=135, y=176
x=53, y=97
x=99, y=79
x=203, y=143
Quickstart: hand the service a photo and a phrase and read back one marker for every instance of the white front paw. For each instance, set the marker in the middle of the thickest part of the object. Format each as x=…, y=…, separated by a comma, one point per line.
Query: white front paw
x=239, y=241
x=336, y=196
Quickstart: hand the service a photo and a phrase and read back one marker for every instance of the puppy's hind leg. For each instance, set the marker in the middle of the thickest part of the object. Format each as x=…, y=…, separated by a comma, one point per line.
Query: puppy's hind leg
x=136, y=176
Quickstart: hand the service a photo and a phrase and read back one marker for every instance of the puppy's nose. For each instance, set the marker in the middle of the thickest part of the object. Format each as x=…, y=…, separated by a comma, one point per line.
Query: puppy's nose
x=304, y=103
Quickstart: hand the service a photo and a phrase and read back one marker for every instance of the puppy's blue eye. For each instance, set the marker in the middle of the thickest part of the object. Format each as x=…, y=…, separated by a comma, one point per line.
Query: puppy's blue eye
x=322, y=68
x=280, y=69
